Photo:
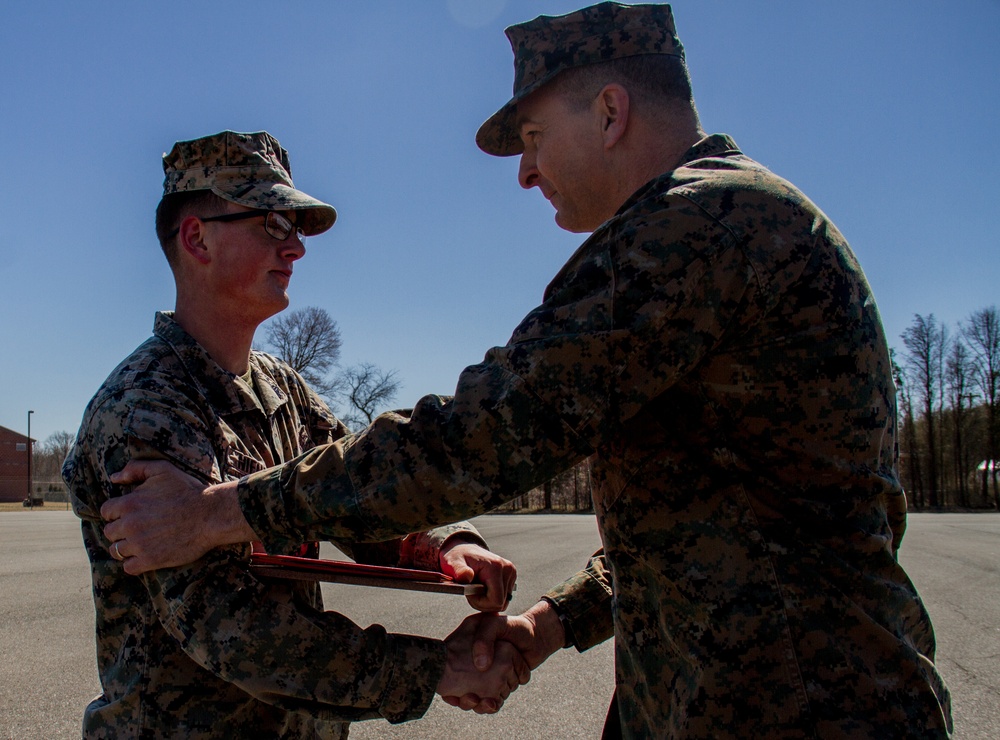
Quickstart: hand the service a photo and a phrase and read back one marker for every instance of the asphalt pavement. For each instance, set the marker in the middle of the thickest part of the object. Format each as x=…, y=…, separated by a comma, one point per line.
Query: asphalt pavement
x=47, y=672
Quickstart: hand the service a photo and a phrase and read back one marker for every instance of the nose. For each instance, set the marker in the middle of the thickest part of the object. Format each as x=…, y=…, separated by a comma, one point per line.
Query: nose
x=527, y=172
x=292, y=248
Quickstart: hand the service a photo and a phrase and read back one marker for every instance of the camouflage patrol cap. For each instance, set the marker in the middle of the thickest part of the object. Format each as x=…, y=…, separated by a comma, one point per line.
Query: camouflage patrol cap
x=250, y=170
x=547, y=45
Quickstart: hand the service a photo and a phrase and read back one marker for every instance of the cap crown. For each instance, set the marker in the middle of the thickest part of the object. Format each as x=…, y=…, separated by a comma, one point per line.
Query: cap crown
x=227, y=157
x=249, y=169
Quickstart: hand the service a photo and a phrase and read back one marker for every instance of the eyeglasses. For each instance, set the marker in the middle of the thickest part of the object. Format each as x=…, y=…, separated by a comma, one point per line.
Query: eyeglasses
x=276, y=225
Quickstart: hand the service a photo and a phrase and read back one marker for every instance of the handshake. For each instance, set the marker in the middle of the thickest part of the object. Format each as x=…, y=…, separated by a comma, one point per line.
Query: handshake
x=491, y=654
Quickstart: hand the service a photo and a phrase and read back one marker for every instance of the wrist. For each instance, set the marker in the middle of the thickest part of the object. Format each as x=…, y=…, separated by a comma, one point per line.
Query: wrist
x=454, y=541
x=462, y=538
x=551, y=629
x=225, y=523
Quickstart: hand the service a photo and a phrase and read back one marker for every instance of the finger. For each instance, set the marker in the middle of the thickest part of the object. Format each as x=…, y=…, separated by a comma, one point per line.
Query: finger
x=135, y=471
x=496, y=589
x=485, y=601
x=114, y=550
x=135, y=565
x=506, y=582
x=484, y=642
x=493, y=600
x=112, y=509
x=511, y=679
x=123, y=521
x=511, y=583
x=460, y=571
x=451, y=700
x=520, y=676
x=469, y=701
x=113, y=530
x=116, y=507
x=488, y=706
x=523, y=672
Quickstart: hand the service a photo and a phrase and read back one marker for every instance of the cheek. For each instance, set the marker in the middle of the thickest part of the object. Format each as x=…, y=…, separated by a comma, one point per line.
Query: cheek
x=560, y=164
x=551, y=170
x=243, y=273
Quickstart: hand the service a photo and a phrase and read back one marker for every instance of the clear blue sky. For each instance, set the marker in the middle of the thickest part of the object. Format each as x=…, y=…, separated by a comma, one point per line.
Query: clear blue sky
x=885, y=113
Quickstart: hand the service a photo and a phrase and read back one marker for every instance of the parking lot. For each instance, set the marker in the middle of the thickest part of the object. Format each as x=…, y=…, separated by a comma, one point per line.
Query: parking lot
x=47, y=658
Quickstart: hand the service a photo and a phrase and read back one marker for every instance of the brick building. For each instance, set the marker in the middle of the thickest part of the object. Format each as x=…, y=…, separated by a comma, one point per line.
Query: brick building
x=15, y=452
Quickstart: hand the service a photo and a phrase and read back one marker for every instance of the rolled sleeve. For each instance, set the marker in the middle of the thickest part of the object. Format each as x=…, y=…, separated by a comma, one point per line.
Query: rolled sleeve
x=584, y=601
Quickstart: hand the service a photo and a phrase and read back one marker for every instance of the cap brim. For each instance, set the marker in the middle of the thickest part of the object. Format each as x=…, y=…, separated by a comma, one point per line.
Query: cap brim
x=497, y=135
x=317, y=216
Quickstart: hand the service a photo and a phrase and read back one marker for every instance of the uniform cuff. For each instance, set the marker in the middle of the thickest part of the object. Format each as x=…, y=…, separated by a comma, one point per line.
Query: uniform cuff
x=583, y=604
x=261, y=501
x=418, y=664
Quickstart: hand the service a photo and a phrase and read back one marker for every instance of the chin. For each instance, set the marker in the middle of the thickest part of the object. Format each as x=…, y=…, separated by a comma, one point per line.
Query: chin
x=568, y=225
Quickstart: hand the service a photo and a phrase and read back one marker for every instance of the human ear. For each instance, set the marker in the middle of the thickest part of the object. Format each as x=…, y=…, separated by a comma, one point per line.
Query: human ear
x=613, y=107
x=191, y=239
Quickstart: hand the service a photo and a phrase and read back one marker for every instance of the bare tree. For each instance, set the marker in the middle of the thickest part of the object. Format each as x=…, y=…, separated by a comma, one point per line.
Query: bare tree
x=364, y=389
x=308, y=340
x=910, y=462
x=50, y=454
x=924, y=340
x=982, y=332
x=958, y=367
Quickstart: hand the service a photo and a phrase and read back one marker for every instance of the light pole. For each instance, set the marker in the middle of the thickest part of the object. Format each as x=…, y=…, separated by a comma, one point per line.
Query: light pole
x=31, y=503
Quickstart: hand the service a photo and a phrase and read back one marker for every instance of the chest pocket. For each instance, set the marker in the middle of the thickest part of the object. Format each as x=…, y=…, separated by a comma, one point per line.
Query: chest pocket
x=239, y=464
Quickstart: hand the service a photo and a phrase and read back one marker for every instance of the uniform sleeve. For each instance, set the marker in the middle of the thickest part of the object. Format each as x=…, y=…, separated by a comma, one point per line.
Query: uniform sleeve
x=628, y=315
x=260, y=636
x=584, y=603
x=421, y=550
x=289, y=654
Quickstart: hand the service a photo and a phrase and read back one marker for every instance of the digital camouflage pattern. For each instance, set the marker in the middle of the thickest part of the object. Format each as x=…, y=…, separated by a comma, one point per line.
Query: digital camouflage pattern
x=250, y=170
x=208, y=650
x=547, y=45
x=716, y=349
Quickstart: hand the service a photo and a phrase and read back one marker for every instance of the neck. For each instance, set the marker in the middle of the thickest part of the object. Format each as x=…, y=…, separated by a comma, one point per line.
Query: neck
x=657, y=155
x=227, y=338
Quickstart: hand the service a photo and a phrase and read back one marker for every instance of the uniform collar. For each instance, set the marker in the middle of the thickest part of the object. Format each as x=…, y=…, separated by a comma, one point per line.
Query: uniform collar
x=227, y=393
x=712, y=146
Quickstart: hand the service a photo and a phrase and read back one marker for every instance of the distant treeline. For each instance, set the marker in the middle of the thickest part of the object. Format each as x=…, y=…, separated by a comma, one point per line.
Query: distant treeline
x=948, y=394
x=947, y=385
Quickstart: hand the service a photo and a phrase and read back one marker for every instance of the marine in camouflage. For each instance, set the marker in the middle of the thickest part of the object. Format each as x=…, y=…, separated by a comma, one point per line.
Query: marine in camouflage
x=208, y=650
x=716, y=349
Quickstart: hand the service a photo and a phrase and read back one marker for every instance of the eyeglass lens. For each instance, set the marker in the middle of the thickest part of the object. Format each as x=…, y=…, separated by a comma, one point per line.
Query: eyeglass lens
x=280, y=227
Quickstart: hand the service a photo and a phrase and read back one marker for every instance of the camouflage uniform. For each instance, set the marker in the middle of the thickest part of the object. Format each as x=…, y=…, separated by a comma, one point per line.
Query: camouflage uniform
x=208, y=650
x=717, y=349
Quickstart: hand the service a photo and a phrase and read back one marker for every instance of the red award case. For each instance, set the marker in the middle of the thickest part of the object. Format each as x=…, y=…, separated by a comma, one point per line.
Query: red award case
x=343, y=571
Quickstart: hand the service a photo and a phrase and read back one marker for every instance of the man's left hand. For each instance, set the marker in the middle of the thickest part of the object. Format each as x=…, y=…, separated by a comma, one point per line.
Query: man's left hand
x=468, y=562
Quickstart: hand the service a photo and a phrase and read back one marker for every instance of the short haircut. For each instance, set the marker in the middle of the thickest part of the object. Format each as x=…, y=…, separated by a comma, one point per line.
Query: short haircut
x=175, y=207
x=652, y=80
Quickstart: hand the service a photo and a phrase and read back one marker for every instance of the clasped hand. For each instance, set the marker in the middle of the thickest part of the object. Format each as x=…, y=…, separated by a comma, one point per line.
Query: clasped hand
x=490, y=655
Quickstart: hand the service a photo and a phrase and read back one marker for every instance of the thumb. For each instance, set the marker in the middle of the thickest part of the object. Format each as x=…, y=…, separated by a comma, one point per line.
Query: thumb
x=484, y=643
x=461, y=572
x=453, y=564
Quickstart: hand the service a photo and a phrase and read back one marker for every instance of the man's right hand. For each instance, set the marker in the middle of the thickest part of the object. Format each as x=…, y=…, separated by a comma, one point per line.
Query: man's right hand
x=537, y=633
x=171, y=518
x=481, y=689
